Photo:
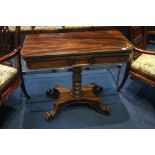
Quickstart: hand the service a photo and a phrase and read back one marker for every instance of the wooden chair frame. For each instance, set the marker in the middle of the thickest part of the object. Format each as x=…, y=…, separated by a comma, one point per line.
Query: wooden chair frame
x=136, y=73
x=18, y=79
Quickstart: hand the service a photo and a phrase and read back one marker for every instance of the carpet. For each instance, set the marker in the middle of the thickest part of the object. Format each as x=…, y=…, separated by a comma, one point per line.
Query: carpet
x=133, y=107
x=74, y=116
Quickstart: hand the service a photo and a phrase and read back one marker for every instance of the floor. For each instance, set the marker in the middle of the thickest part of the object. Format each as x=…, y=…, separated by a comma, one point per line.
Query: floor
x=133, y=107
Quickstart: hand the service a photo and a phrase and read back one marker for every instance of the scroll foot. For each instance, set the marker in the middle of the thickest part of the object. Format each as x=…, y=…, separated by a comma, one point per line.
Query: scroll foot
x=103, y=109
x=53, y=93
x=50, y=115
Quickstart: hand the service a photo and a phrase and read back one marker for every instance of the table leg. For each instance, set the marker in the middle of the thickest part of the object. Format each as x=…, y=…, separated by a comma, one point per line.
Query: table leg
x=76, y=82
x=78, y=95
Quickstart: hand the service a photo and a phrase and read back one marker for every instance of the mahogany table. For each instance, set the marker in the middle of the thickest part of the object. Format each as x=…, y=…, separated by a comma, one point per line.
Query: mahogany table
x=76, y=49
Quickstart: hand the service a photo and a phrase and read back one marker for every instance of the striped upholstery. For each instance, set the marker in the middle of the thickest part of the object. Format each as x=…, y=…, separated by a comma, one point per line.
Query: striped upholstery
x=6, y=73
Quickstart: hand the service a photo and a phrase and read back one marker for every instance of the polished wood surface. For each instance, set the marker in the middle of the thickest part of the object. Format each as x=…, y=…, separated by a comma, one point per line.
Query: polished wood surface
x=137, y=36
x=73, y=43
x=67, y=49
x=87, y=97
x=8, y=40
x=76, y=49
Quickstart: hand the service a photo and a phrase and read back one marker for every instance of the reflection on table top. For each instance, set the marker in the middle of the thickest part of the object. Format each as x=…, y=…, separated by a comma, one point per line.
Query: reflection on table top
x=74, y=43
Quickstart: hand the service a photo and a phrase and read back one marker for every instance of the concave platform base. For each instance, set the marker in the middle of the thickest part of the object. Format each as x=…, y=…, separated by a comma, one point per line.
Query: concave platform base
x=65, y=97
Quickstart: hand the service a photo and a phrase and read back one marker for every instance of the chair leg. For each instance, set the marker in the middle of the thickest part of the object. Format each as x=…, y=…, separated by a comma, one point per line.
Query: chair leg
x=24, y=88
x=125, y=77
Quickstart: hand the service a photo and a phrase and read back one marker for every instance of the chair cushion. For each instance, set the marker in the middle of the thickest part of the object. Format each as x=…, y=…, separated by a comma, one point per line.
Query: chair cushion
x=47, y=27
x=145, y=63
x=26, y=28
x=6, y=73
x=12, y=28
x=22, y=28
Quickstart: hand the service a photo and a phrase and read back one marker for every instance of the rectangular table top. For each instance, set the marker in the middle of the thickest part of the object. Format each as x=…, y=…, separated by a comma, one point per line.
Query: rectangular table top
x=74, y=43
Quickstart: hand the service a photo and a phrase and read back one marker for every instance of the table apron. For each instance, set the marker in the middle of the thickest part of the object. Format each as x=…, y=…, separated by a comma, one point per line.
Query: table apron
x=71, y=61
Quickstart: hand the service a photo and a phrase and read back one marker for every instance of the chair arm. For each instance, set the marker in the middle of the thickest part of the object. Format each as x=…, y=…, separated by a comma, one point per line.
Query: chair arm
x=11, y=54
x=152, y=52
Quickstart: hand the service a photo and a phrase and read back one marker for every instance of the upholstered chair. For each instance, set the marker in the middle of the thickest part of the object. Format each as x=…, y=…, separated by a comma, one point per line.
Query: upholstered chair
x=141, y=64
x=11, y=73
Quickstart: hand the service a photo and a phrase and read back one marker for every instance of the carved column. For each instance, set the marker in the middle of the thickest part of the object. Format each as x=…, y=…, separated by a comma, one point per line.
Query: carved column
x=76, y=83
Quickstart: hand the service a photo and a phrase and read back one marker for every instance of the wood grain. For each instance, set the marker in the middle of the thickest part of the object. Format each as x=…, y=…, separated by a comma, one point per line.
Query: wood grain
x=74, y=43
x=76, y=49
x=17, y=80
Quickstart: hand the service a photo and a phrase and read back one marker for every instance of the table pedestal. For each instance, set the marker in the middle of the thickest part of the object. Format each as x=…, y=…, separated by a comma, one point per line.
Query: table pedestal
x=76, y=95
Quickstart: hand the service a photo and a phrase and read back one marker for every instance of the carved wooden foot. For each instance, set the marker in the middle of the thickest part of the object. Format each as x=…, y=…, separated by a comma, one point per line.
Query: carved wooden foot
x=78, y=94
x=97, y=89
x=53, y=93
x=103, y=109
x=53, y=113
x=87, y=97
